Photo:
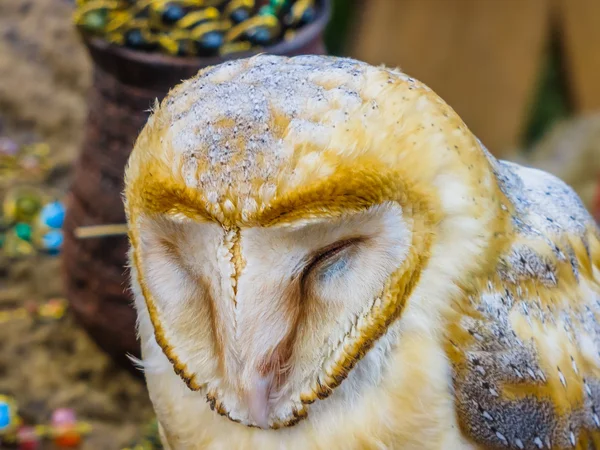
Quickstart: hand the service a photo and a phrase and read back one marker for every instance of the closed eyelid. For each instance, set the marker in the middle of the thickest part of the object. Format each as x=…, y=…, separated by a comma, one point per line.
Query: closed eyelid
x=325, y=253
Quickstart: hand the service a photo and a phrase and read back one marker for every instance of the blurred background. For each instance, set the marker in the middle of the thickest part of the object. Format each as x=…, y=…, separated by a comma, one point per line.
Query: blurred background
x=522, y=75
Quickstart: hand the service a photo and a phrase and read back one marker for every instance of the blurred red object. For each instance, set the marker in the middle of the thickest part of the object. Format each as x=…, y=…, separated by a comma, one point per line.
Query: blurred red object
x=28, y=438
x=68, y=439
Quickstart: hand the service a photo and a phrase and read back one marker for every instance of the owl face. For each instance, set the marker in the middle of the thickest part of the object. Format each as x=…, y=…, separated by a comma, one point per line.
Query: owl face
x=281, y=216
x=260, y=312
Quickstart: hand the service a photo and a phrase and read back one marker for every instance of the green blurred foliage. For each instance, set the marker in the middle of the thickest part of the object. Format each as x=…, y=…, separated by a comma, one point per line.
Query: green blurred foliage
x=342, y=14
x=551, y=100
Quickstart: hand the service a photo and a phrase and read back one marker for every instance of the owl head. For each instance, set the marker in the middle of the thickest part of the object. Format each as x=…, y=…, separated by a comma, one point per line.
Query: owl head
x=289, y=218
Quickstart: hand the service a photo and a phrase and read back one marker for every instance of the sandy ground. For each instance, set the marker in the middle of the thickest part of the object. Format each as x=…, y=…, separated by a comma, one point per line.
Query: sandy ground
x=44, y=76
x=48, y=364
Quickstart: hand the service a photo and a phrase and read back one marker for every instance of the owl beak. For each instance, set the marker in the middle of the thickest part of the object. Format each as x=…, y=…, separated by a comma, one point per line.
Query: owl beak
x=263, y=347
x=257, y=398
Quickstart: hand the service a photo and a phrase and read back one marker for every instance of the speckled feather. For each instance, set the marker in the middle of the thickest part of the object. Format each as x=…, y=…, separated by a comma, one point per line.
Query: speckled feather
x=527, y=375
x=490, y=324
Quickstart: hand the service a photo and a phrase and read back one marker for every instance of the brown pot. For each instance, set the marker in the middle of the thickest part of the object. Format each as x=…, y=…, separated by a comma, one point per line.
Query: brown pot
x=126, y=83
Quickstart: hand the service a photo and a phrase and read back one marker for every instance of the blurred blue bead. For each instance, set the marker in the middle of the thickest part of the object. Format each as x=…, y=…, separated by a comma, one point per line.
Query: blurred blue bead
x=239, y=15
x=212, y=40
x=53, y=214
x=4, y=415
x=260, y=36
x=172, y=14
x=53, y=240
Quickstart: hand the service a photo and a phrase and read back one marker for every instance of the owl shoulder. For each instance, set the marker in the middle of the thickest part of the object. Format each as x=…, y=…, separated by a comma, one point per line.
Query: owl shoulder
x=524, y=340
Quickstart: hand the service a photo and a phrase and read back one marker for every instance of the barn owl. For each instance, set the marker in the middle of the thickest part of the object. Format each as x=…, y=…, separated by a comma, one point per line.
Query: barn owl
x=323, y=256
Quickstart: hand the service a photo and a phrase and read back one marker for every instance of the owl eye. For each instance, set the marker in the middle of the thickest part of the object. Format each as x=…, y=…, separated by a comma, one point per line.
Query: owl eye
x=328, y=253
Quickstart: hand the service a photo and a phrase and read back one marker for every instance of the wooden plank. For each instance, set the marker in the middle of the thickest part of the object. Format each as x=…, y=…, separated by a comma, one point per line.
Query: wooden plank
x=579, y=23
x=482, y=56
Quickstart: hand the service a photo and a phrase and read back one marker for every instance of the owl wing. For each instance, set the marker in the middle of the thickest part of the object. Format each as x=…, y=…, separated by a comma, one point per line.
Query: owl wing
x=524, y=341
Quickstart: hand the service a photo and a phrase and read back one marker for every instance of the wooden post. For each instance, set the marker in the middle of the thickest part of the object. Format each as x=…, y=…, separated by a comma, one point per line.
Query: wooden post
x=579, y=24
x=482, y=56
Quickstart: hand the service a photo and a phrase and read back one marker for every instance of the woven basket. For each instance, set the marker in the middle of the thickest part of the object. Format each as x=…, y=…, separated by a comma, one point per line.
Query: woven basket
x=125, y=85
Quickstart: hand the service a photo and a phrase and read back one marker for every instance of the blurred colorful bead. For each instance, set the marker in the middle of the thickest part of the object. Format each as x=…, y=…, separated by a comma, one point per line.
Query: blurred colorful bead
x=53, y=214
x=22, y=204
x=8, y=146
x=69, y=438
x=266, y=10
x=170, y=25
x=27, y=207
x=53, y=240
x=172, y=13
x=209, y=43
x=28, y=438
x=301, y=13
x=15, y=247
x=261, y=36
x=5, y=415
x=95, y=20
x=239, y=15
x=135, y=39
x=55, y=309
x=63, y=416
x=23, y=231
x=308, y=16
